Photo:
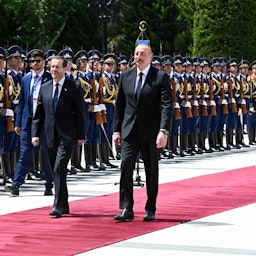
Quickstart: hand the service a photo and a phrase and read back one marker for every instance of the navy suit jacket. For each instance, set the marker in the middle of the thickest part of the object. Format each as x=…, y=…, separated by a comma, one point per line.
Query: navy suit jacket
x=151, y=112
x=68, y=121
x=23, y=111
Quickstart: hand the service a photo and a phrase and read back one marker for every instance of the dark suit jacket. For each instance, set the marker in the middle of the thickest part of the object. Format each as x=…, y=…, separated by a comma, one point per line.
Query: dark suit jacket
x=69, y=117
x=151, y=112
x=23, y=112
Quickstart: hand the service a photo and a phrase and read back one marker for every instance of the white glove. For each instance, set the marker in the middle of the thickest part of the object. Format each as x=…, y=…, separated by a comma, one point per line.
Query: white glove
x=9, y=112
x=96, y=108
x=224, y=102
x=177, y=105
x=196, y=103
x=212, y=103
x=102, y=107
x=188, y=104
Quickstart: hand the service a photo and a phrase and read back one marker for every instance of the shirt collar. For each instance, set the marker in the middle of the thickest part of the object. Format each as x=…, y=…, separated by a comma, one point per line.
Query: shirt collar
x=39, y=75
x=61, y=82
x=144, y=71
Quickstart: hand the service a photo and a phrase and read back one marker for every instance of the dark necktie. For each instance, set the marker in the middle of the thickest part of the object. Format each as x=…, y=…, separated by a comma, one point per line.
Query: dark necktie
x=32, y=94
x=139, y=86
x=55, y=96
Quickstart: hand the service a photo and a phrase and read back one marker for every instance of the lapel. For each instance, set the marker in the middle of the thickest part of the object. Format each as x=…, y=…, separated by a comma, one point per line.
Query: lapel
x=27, y=86
x=63, y=93
x=132, y=81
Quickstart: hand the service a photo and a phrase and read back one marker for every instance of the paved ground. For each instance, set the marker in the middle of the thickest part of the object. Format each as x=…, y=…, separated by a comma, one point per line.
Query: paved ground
x=229, y=233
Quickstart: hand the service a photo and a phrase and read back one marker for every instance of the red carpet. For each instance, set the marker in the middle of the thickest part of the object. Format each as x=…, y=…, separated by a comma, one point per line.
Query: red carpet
x=91, y=223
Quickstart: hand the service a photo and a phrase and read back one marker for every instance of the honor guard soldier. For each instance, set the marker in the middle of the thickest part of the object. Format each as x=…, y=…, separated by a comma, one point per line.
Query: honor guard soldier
x=156, y=62
x=223, y=95
x=24, y=69
x=48, y=57
x=132, y=63
x=167, y=64
x=194, y=132
x=253, y=104
x=213, y=128
x=81, y=62
x=77, y=151
x=204, y=103
x=93, y=111
x=233, y=99
x=244, y=101
x=188, y=120
x=14, y=62
x=177, y=87
x=6, y=122
x=109, y=97
x=122, y=65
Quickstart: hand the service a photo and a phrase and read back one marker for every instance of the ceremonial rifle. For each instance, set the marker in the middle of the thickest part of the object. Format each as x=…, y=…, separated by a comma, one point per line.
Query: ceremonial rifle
x=9, y=122
x=241, y=92
x=188, y=109
x=233, y=104
x=213, y=107
x=222, y=93
x=195, y=108
x=177, y=114
x=103, y=113
x=99, y=119
x=204, y=108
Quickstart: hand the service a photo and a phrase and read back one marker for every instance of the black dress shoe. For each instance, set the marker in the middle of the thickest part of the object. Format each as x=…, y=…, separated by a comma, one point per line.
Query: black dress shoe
x=108, y=165
x=149, y=216
x=125, y=215
x=184, y=153
x=14, y=190
x=32, y=176
x=79, y=168
x=93, y=167
x=48, y=192
x=56, y=211
x=72, y=170
x=244, y=145
x=7, y=180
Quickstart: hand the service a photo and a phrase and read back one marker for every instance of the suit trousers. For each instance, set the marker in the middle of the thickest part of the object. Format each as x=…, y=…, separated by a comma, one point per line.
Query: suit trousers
x=59, y=156
x=131, y=146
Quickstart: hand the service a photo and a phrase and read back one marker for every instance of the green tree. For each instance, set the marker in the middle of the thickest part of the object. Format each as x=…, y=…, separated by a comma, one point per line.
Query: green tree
x=225, y=28
x=160, y=16
x=45, y=23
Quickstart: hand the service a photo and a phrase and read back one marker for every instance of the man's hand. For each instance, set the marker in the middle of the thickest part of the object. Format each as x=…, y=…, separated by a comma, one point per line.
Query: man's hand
x=17, y=130
x=117, y=139
x=35, y=141
x=79, y=143
x=161, y=140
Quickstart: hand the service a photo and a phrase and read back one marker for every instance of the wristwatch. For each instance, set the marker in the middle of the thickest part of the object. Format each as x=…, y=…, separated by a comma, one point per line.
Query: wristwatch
x=164, y=131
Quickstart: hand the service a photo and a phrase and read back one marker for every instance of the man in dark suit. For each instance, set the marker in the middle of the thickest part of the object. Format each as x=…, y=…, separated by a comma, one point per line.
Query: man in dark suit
x=30, y=86
x=60, y=108
x=142, y=119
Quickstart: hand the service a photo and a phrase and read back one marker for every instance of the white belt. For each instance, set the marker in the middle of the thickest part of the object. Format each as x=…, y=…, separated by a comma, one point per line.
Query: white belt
x=15, y=101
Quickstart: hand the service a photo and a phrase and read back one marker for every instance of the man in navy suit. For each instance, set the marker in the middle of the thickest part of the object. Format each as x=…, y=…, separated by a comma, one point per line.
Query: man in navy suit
x=60, y=108
x=142, y=120
x=30, y=86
